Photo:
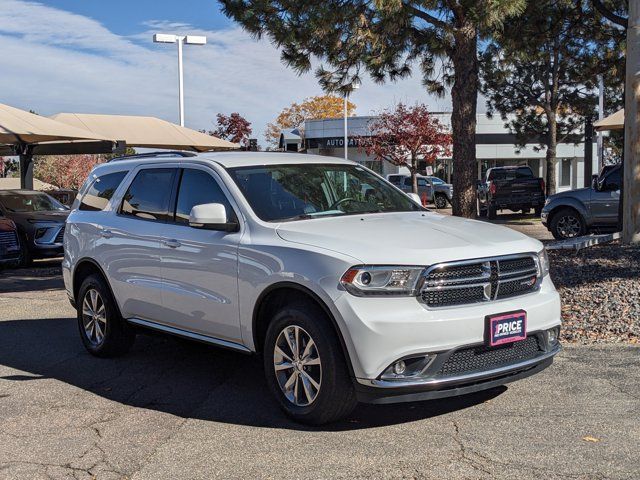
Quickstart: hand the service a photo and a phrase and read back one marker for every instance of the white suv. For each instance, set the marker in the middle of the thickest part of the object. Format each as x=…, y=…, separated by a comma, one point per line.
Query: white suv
x=349, y=289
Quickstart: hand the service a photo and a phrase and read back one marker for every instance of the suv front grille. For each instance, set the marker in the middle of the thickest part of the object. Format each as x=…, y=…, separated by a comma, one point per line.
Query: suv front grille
x=9, y=240
x=484, y=280
x=482, y=357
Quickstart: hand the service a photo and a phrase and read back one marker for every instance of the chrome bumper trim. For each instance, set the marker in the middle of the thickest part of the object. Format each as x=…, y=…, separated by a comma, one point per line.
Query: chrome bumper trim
x=436, y=383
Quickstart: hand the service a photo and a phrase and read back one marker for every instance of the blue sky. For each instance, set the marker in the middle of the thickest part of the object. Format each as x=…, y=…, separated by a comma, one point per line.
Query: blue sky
x=124, y=17
x=97, y=56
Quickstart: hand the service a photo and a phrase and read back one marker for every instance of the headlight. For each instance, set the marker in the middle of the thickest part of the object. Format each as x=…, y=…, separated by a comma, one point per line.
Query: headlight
x=382, y=280
x=547, y=201
x=543, y=262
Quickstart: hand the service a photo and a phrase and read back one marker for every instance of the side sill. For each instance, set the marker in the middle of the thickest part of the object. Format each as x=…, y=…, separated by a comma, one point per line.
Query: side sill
x=190, y=335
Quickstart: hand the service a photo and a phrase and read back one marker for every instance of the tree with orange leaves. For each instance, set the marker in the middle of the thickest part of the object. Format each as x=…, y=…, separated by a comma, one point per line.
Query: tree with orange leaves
x=294, y=116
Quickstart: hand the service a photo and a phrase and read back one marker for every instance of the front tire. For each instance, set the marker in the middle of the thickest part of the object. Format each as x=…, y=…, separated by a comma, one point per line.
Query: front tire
x=567, y=223
x=441, y=201
x=103, y=331
x=305, y=367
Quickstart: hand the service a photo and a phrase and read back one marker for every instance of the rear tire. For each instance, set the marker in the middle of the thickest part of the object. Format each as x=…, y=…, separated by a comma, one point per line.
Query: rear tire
x=538, y=212
x=310, y=380
x=492, y=212
x=567, y=223
x=103, y=331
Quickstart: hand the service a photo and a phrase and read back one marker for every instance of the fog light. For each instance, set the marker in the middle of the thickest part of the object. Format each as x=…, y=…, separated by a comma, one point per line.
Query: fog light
x=399, y=367
x=40, y=232
x=552, y=336
x=408, y=367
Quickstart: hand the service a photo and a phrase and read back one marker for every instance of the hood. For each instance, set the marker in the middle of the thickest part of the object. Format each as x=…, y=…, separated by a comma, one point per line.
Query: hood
x=407, y=238
x=578, y=192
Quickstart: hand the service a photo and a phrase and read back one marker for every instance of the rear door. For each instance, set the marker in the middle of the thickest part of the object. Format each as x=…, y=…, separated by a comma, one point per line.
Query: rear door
x=200, y=267
x=130, y=244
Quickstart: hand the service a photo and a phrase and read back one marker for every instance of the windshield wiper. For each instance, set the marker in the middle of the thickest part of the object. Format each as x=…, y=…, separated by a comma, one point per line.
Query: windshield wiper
x=307, y=216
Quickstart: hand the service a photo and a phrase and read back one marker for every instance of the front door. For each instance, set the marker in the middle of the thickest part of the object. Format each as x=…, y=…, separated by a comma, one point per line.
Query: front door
x=605, y=200
x=200, y=267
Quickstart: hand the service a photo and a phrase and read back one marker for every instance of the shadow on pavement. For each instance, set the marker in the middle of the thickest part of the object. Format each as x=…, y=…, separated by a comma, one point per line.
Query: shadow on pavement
x=42, y=275
x=181, y=378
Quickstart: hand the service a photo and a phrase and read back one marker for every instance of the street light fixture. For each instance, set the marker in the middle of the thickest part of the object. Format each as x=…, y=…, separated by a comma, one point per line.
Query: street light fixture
x=354, y=86
x=180, y=39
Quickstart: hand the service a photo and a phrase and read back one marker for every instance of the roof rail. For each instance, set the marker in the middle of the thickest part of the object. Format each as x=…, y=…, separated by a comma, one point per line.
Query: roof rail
x=176, y=153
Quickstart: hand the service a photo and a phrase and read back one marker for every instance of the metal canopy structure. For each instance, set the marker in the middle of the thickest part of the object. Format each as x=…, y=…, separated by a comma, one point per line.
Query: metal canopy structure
x=26, y=134
x=615, y=121
x=146, y=132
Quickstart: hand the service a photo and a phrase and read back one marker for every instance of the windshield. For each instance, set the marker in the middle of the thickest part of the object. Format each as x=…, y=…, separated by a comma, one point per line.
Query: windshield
x=293, y=192
x=30, y=202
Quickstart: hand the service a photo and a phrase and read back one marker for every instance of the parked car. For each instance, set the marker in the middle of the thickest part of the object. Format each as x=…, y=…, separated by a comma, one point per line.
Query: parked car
x=578, y=212
x=510, y=188
x=64, y=195
x=9, y=243
x=436, y=190
x=347, y=296
x=40, y=221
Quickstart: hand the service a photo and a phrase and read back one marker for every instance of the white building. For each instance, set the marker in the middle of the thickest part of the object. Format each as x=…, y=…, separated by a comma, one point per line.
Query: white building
x=494, y=147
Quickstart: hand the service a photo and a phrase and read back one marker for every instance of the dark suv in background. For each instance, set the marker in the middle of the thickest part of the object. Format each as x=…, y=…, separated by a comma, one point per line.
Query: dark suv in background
x=585, y=210
x=40, y=220
x=9, y=243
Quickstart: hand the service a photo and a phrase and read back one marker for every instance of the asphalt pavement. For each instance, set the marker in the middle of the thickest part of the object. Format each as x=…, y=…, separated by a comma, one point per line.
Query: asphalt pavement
x=172, y=410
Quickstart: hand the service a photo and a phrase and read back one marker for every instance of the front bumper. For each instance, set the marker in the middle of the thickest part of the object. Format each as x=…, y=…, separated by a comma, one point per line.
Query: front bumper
x=388, y=391
x=378, y=331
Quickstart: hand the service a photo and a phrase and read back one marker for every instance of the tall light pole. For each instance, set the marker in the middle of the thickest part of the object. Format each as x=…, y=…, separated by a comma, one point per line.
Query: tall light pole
x=354, y=86
x=180, y=39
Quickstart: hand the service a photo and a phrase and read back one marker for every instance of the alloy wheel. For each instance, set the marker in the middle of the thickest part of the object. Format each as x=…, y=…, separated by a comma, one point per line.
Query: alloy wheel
x=568, y=226
x=94, y=317
x=297, y=366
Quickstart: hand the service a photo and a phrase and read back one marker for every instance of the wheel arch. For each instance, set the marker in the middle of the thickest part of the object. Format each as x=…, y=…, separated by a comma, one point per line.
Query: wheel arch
x=85, y=267
x=570, y=206
x=277, y=295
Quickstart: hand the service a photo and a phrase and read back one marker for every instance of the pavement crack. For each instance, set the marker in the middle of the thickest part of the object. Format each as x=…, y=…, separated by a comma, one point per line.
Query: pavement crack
x=465, y=452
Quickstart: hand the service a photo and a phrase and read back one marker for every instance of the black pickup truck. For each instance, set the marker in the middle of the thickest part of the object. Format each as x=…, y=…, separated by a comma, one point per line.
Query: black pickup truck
x=510, y=188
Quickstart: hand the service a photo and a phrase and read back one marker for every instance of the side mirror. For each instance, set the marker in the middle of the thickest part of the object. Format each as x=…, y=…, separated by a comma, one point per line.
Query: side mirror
x=415, y=197
x=211, y=216
x=594, y=182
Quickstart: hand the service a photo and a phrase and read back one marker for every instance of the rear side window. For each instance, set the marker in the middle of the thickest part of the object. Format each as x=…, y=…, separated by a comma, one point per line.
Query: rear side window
x=395, y=179
x=149, y=193
x=101, y=191
x=196, y=188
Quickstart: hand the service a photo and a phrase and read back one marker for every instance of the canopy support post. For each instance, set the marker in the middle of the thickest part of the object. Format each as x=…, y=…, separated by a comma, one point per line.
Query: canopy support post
x=26, y=168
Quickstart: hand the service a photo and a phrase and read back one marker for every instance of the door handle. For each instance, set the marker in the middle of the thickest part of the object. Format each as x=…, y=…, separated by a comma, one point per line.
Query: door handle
x=105, y=233
x=173, y=243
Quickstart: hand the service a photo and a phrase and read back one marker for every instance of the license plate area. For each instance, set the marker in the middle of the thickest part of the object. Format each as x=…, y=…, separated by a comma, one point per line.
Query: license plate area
x=504, y=328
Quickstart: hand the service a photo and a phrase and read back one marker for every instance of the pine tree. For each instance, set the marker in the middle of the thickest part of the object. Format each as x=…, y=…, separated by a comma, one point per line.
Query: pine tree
x=386, y=39
x=543, y=67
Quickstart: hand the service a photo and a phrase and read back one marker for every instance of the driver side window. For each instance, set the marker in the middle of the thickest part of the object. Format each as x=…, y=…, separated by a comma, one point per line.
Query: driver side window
x=612, y=181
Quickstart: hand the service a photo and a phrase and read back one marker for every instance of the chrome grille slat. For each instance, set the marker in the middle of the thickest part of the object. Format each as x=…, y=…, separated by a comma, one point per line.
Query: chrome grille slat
x=481, y=280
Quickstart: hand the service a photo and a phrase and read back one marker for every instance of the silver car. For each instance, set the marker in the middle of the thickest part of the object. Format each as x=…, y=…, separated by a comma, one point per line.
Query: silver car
x=435, y=189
